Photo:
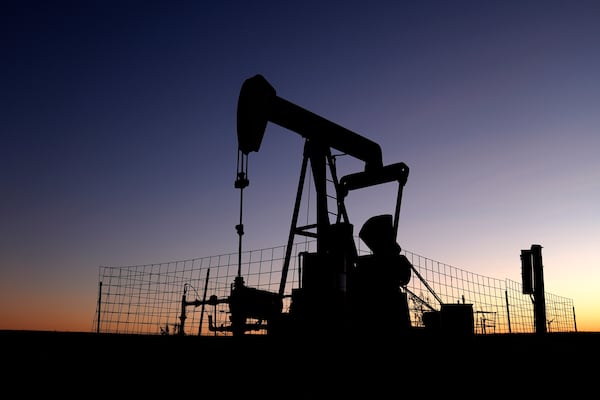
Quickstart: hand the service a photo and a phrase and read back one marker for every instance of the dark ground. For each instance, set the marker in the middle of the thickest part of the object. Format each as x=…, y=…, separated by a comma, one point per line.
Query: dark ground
x=95, y=365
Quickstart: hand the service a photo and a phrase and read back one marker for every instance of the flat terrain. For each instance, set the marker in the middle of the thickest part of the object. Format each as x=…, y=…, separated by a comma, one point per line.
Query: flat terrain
x=65, y=363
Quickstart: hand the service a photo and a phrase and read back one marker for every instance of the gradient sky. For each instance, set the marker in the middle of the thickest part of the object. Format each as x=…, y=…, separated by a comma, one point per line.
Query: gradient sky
x=119, y=135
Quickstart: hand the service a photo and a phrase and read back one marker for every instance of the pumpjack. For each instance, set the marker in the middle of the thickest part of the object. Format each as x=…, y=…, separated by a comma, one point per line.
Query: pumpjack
x=340, y=290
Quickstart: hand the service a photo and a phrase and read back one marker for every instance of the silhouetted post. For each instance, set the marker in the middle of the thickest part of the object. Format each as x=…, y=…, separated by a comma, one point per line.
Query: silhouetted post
x=203, y=303
x=507, y=311
x=183, y=317
x=538, y=283
x=99, y=304
x=532, y=272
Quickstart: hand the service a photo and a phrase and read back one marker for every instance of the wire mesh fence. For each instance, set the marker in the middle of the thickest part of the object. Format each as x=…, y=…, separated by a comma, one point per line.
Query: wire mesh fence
x=173, y=297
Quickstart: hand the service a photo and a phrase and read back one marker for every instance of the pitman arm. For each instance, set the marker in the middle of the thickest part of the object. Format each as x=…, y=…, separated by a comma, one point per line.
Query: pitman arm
x=389, y=173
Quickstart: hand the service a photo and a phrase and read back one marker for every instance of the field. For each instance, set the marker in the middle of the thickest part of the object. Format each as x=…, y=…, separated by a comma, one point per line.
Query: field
x=91, y=365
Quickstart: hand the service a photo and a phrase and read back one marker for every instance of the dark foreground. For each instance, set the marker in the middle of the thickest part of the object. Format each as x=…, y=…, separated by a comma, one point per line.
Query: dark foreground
x=95, y=365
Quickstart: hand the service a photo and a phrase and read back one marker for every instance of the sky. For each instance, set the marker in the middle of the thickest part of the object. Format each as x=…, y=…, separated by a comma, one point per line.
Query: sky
x=119, y=147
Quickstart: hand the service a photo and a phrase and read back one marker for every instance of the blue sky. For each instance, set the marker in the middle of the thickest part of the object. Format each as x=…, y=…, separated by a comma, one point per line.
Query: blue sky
x=119, y=135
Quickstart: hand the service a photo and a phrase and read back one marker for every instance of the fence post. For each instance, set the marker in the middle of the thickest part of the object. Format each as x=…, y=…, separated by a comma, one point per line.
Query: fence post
x=99, y=304
x=538, y=279
x=507, y=311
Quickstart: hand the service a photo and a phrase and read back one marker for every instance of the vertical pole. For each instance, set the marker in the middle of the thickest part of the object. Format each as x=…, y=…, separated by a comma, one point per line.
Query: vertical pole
x=99, y=304
x=574, y=320
x=507, y=311
x=538, y=279
x=182, y=317
x=240, y=183
x=203, y=302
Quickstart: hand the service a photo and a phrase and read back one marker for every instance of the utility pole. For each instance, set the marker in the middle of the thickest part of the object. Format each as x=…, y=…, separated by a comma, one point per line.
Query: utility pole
x=532, y=272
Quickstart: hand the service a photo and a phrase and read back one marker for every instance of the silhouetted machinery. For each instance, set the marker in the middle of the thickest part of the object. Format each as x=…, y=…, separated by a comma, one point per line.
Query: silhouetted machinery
x=339, y=290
